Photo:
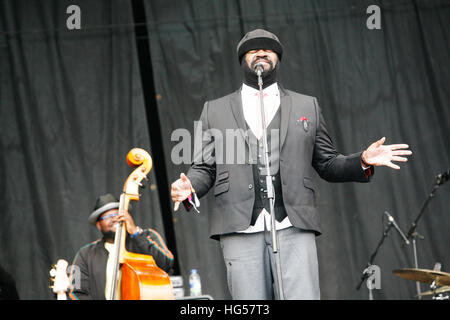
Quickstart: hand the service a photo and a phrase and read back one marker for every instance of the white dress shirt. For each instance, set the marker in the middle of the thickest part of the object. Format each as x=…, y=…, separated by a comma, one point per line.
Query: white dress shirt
x=109, y=267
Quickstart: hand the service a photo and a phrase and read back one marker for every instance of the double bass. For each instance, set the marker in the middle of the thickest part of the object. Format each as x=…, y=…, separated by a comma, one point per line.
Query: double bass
x=136, y=276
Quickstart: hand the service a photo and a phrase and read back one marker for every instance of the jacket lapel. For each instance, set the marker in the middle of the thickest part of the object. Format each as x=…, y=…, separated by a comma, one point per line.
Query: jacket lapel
x=238, y=113
x=285, y=105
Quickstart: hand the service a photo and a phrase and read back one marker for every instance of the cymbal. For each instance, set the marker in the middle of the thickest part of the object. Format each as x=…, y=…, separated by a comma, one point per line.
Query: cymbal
x=424, y=275
x=437, y=291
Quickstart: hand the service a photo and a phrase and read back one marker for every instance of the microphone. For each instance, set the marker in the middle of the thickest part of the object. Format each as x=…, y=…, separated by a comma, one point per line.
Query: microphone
x=443, y=177
x=259, y=68
x=391, y=220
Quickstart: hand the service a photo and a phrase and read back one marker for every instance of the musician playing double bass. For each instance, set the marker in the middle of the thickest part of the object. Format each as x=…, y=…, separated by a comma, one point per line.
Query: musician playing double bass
x=94, y=260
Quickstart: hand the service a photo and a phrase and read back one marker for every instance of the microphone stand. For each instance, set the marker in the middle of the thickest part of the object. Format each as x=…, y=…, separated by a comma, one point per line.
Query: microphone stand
x=412, y=234
x=270, y=190
x=366, y=274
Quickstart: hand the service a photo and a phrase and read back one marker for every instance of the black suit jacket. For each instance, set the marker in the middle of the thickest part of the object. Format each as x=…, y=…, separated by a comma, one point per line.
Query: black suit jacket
x=305, y=145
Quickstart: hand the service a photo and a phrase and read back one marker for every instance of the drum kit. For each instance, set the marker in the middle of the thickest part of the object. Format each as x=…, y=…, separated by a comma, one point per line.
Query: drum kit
x=439, y=281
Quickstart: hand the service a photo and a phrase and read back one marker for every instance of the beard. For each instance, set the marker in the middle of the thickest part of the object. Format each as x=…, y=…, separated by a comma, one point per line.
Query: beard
x=256, y=61
x=109, y=235
x=269, y=76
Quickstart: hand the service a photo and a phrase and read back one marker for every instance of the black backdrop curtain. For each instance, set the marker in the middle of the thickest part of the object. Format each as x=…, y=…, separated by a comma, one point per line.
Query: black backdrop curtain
x=72, y=106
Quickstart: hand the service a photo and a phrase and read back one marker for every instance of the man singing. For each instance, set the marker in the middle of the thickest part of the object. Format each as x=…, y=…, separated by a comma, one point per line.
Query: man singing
x=298, y=144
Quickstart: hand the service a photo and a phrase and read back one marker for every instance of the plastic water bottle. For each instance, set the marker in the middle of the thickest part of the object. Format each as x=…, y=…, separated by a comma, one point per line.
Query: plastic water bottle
x=195, y=283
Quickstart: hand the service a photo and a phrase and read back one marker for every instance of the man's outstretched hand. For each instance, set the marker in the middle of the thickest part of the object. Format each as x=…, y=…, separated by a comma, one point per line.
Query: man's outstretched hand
x=378, y=154
x=180, y=190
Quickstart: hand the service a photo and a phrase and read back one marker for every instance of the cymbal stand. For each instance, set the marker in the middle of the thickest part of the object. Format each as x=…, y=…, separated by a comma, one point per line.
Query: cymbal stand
x=412, y=234
x=436, y=295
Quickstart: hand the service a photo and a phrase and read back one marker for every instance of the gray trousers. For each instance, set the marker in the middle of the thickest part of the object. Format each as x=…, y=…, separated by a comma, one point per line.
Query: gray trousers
x=251, y=271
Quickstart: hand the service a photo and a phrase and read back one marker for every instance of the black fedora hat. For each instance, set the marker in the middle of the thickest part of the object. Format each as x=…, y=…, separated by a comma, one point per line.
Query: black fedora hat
x=104, y=203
